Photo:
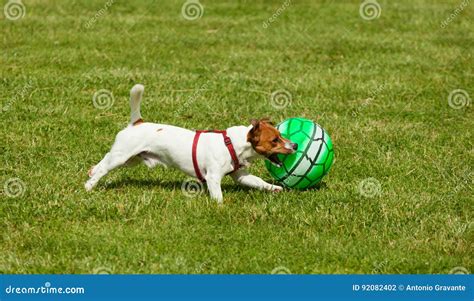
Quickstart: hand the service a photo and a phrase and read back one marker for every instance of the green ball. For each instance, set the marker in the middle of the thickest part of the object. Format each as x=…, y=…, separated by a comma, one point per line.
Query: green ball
x=313, y=159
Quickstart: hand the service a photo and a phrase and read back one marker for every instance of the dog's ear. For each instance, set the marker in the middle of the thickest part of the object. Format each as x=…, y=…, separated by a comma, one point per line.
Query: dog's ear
x=254, y=122
x=254, y=133
x=267, y=120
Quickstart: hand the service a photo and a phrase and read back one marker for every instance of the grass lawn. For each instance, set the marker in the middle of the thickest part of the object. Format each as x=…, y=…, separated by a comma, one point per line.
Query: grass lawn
x=398, y=198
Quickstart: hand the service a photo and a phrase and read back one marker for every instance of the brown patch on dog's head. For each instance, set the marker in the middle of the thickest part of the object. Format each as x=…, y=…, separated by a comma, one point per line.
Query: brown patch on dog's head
x=267, y=140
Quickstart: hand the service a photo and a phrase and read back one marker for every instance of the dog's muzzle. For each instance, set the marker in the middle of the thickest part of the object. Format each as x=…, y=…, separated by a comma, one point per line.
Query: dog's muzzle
x=291, y=146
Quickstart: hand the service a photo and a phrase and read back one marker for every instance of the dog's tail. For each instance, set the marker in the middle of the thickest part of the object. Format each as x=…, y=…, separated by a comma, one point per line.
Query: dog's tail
x=136, y=94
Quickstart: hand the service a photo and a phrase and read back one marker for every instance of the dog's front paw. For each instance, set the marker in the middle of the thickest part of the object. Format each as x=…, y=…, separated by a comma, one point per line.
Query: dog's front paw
x=276, y=188
x=88, y=186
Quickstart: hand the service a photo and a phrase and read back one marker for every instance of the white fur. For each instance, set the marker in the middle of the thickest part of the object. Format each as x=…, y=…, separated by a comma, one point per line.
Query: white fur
x=172, y=146
x=135, y=98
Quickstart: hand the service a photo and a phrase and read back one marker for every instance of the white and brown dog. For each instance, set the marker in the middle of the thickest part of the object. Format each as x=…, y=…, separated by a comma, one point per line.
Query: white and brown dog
x=207, y=155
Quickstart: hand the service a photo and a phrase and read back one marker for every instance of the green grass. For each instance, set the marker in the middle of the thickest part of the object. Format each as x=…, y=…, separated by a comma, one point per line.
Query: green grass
x=380, y=88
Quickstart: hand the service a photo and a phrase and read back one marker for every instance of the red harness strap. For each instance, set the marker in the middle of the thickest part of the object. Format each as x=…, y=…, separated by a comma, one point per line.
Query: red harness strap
x=228, y=144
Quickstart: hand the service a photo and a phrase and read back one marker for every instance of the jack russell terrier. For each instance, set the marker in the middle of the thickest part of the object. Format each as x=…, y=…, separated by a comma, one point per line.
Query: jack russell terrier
x=207, y=155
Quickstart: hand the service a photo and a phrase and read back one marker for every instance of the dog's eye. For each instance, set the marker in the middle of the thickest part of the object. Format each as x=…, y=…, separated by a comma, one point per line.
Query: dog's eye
x=275, y=140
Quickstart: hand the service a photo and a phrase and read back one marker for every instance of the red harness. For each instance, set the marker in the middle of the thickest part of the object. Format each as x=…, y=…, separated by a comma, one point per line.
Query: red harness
x=228, y=144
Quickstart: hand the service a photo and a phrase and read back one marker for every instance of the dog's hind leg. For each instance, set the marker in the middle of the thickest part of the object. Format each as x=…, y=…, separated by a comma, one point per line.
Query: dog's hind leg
x=111, y=160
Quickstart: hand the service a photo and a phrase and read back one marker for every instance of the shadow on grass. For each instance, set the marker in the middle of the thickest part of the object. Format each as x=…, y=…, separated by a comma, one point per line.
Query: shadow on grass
x=174, y=185
x=167, y=185
x=320, y=186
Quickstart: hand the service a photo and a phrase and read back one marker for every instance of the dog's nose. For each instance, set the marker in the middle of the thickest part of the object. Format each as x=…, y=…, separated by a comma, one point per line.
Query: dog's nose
x=294, y=146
